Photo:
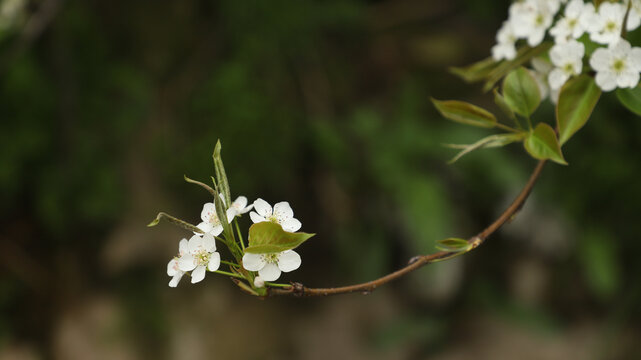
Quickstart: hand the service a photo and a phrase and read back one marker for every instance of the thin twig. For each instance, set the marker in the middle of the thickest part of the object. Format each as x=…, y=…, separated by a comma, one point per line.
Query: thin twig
x=297, y=289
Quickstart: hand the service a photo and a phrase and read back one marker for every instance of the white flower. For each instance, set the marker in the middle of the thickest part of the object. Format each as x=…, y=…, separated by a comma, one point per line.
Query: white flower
x=617, y=66
x=541, y=70
x=634, y=18
x=530, y=19
x=201, y=255
x=605, y=27
x=211, y=224
x=240, y=206
x=568, y=61
x=173, y=269
x=504, y=48
x=282, y=214
x=571, y=26
x=270, y=265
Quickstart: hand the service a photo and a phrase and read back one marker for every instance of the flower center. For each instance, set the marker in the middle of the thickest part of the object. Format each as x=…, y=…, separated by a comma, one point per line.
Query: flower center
x=273, y=219
x=568, y=68
x=572, y=23
x=618, y=65
x=538, y=21
x=271, y=258
x=202, y=257
x=213, y=219
x=610, y=26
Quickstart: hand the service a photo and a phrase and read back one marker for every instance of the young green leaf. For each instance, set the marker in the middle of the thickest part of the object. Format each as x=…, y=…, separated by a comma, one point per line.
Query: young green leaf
x=521, y=92
x=453, y=244
x=221, y=175
x=524, y=55
x=477, y=71
x=542, y=144
x=465, y=113
x=491, y=141
x=577, y=99
x=268, y=237
x=631, y=99
x=180, y=223
x=499, y=100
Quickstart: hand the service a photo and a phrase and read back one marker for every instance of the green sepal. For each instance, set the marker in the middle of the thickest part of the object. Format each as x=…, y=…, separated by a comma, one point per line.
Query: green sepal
x=453, y=245
x=268, y=237
x=465, y=113
x=180, y=223
x=543, y=144
x=203, y=185
x=577, y=99
x=491, y=141
x=521, y=92
x=631, y=99
x=221, y=175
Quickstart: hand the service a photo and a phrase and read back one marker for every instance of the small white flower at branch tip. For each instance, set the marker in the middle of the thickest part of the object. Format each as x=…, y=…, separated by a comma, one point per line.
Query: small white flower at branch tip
x=568, y=61
x=530, y=19
x=573, y=23
x=259, y=282
x=173, y=269
x=240, y=206
x=211, y=224
x=201, y=255
x=617, y=66
x=281, y=214
x=605, y=25
x=505, y=38
x=270, y=265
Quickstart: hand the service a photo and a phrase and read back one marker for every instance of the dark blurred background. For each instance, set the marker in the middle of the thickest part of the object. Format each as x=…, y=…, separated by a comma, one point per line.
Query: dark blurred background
x=104, y=105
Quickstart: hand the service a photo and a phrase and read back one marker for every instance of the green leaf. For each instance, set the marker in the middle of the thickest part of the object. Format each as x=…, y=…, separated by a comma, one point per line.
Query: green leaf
x=465, y=113
x=521, y=92
x=576, y=102
x=180, y=223
x=204, y=186
x=522, y=56
x=499, y=100
x=453, y=244
x=268, y=237
x=542, y=144
x=477, y=71
x=221, y=175
x=491, y=141
x=631, y=99
x=221, y=212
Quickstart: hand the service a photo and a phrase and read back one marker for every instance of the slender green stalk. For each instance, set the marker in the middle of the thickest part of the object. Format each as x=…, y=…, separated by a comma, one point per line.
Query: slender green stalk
x=506, y=128
x=277, y=285
x=529, y=123
x=240, y=236
x=229, y=263
x=229, y=274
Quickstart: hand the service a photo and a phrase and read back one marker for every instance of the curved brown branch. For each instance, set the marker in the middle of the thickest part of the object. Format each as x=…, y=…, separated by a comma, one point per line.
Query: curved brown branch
x=416, y=262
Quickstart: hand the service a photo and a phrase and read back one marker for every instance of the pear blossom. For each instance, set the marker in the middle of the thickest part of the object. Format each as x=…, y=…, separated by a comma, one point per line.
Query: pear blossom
x=568, y=61
x=201, y=255
x=617, y=66
x=540, y=70
x=211, y=224
x=530, y=19
x=259, y=282
x=281, y=214
x=504, y=48
x=605, y=26
x=634, y=18
x=270, y=265
x=240, y=206
x=573, y=23
x=173, y=269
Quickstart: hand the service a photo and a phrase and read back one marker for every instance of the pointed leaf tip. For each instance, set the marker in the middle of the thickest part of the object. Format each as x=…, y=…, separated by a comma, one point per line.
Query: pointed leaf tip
x=542, y=144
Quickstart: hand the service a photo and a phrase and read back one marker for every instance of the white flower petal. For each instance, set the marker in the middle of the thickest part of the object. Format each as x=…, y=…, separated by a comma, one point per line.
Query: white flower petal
x=262, y=208
x=283, y=211
x=557, y=78
x=176, y=279
x=270, y=272
x=205, y=227
x=231, y=214
x=172, y=267
x=259, y=282
x=183, y=247
x=187, y=263
x=209, y=243
x=209, y=209
x=214, y=262
x=240, y=202
x=606, y=80
x=256, y=218
x=600, y=59
x=289, y=260
x=195, y=244
x=291, y=225
x=635, y=58
x=246, y=209
x=216, y=230
x=198, y=274
x=253, y=262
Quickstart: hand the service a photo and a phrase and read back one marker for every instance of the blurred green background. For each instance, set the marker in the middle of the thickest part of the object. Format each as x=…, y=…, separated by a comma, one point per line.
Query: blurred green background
x=104, y=105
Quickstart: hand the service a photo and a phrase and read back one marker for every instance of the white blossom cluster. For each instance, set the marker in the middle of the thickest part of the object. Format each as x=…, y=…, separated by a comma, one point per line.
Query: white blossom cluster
x=617, y=64
x=198, y=254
